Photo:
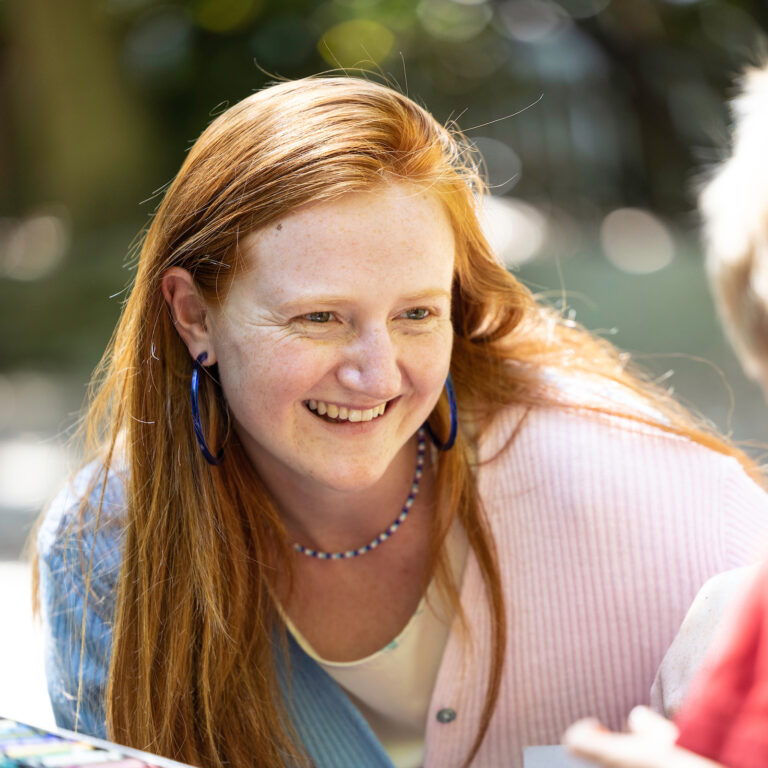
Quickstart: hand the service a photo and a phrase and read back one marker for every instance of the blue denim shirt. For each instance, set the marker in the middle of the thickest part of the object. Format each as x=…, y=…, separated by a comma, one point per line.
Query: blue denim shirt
x=330, y=727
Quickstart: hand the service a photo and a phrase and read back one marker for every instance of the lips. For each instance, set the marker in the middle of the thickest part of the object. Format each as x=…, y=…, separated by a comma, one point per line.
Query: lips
x=334, y=412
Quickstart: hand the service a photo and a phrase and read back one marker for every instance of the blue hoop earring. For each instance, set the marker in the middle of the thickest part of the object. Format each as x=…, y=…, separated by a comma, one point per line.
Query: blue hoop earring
x=448, y=444
x=193, y=387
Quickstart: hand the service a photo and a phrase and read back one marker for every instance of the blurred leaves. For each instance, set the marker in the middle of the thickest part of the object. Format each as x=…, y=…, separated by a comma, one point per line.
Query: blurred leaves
x=282, y=43
x=224, y=16
x=582, y=107
x=454, y=21
x=356, y=43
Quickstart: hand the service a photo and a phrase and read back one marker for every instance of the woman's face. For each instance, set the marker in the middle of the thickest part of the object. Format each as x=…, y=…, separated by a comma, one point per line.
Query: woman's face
x=334, y=343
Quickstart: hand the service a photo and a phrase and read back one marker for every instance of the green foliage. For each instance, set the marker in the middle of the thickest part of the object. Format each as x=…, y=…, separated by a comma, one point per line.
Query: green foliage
x=614, y=103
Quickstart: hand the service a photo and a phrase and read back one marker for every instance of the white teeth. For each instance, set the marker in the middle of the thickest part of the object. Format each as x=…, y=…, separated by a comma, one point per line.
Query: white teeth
x=342, y=413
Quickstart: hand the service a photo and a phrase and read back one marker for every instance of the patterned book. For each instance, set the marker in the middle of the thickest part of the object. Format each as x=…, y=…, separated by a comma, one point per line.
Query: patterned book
x=26, y=746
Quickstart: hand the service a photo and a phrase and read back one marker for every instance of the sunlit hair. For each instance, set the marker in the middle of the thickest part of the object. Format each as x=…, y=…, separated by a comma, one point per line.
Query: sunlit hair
x=734, y=207
x=193, y=655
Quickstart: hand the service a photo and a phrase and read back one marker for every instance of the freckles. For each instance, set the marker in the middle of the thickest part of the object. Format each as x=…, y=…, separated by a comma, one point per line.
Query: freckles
x=434, y=346
x=286, y=368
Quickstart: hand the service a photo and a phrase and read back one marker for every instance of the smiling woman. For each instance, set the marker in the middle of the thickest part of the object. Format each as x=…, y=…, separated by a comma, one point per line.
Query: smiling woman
x=265, y=562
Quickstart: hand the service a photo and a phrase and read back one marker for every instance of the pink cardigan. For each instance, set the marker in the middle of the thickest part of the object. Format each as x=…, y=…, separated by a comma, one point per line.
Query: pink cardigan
x=605, y=533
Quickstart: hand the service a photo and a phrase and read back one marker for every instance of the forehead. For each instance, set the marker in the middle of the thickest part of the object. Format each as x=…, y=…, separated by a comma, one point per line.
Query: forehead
x=394, y=231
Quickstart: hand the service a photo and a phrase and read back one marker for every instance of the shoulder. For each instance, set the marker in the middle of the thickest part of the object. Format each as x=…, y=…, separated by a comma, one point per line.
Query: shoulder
x=584, y=452
x=85, y=520
x=570, y=491
x=569, y=430
x=79, y=547
x=575, y=424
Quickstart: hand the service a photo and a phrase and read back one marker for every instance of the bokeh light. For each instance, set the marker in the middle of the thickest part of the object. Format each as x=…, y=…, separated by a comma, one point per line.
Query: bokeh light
x=529, y=21
x=354, y=43
x=636, y=241
x=30, y=471
x=32, y=248
x=454, y=21
x=223, y=16
x=515, y=230
x=30, y=399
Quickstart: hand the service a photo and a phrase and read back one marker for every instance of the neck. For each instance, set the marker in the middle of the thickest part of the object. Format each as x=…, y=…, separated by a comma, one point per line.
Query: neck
x=333, y=520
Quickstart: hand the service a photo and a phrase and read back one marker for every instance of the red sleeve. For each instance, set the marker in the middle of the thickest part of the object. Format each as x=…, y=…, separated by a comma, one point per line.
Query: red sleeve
x=725, y=718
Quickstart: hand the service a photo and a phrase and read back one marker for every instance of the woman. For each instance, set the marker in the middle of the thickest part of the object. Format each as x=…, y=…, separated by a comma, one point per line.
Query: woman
x=271, y=559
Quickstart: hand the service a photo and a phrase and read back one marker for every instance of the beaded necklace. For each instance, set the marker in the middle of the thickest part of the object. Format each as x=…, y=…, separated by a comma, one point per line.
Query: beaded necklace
x=384, y=535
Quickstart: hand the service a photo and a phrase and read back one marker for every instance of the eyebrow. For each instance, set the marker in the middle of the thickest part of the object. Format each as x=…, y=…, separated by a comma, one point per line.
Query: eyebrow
x=331, y=300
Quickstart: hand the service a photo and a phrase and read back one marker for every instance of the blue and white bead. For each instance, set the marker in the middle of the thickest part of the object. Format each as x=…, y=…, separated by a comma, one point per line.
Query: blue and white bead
x=384, y=535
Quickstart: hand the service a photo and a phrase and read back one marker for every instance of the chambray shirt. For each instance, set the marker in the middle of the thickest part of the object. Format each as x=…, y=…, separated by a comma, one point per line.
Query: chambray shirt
x=330, y=727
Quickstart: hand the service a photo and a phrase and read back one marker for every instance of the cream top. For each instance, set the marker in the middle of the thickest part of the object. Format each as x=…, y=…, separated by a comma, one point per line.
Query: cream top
x=392, y=687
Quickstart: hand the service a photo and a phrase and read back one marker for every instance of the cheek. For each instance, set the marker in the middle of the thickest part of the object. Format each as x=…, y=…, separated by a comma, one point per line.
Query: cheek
x=259, y=370
x=429, y=359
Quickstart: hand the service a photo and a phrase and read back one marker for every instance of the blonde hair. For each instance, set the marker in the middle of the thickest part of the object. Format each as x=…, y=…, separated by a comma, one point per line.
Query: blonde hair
x=734, y=208
x=199, y=541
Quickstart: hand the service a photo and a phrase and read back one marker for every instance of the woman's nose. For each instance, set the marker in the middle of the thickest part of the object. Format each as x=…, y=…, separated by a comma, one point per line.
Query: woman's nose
x=371, y=366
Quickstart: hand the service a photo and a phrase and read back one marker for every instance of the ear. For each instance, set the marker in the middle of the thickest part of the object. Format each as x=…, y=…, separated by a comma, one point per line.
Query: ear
x=189, y=311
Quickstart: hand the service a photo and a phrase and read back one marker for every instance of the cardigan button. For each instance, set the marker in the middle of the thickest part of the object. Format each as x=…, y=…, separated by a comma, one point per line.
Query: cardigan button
x=446, y=715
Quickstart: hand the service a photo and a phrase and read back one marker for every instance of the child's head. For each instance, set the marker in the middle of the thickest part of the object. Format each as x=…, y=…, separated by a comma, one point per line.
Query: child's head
x=734, y=206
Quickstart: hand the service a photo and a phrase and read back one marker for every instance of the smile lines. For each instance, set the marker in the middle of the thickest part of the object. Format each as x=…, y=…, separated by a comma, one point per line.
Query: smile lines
x=342, y=413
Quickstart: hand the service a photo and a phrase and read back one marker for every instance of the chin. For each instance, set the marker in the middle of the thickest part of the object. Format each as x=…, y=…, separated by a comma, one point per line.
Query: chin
x=349, y=472
x=349, y=482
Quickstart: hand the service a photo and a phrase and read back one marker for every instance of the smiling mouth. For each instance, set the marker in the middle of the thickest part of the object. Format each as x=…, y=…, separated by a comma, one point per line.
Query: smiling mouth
x=338, y=413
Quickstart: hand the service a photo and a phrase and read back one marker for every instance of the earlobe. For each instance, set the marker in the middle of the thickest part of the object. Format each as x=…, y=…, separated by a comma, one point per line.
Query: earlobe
x=188, y=311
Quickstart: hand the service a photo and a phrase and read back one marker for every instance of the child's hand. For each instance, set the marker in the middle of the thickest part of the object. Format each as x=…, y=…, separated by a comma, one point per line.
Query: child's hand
x=650, y=743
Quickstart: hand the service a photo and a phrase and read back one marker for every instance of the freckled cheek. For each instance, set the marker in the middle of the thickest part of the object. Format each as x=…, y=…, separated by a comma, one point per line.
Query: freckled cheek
x=428, y=359
x=264, y=373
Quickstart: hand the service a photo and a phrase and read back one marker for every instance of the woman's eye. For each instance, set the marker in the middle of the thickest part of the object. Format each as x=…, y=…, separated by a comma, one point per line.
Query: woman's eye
x=319, y=317
x=418, y=313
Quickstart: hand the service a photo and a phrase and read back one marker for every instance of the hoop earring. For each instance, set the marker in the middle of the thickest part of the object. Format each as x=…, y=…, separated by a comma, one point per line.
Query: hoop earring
x=448, y=444
x=193, y=388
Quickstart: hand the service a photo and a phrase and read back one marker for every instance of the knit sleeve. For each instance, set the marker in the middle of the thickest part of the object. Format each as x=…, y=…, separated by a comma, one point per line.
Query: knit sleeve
x=68, y=545
x=744, y=520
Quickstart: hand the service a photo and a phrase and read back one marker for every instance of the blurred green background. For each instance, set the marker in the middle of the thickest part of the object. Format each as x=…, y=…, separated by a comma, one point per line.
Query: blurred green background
x=596, y=118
